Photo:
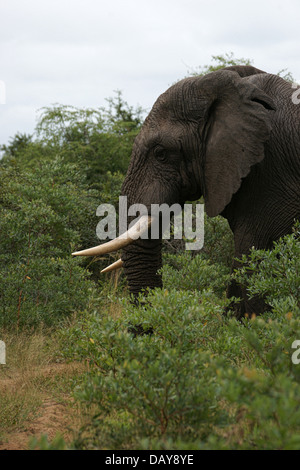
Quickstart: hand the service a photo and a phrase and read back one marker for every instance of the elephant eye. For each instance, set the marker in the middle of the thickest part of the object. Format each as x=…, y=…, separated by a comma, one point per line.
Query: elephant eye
x=160, y=154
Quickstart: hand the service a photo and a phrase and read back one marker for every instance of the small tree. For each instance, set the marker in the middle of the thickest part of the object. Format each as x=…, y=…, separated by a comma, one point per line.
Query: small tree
x=221, y=61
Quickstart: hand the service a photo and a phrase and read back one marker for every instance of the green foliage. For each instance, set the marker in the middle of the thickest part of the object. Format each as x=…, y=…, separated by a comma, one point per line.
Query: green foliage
x=17, y=146
x=48, y=207
x=26, y=151
x=174, y=373
x=145, y=386
x=286, y=75
x=187, y=272
x=229, y=60
x=96, y=140
x=43, y=216
x=43, y=443
x=221, y=61
x=218, y=241
x=275, y=273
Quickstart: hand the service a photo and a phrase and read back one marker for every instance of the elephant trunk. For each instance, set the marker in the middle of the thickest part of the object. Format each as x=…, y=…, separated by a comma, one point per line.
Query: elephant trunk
x=142, y=259
x=141, y=262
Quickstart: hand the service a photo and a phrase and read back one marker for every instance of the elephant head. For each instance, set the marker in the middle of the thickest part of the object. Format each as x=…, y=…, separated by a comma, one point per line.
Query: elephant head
x=201, y=138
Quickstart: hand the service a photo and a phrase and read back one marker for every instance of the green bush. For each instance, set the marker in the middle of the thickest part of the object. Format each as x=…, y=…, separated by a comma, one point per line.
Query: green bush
x=275, y=273
x=175, y=373
x=218, y=241
x=143, y=387
x=43, y=215
x=187, y=272
x=97, y=141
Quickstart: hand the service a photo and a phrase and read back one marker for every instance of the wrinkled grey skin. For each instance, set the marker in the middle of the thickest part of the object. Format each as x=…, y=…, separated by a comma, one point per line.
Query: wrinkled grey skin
x=233, y=137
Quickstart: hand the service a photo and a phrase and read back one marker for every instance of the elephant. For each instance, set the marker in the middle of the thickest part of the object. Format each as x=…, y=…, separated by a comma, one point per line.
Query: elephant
x=232, y=137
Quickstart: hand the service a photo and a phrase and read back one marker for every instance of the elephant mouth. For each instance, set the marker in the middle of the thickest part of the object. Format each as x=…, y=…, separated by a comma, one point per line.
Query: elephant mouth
x=138, y=230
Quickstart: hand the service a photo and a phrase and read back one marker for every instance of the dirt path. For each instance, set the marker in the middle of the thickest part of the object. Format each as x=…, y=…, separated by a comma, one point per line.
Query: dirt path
x=54, y=418
x=56, y=414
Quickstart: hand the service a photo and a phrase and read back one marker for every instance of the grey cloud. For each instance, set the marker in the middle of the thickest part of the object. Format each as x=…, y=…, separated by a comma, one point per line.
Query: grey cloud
x=79, y=52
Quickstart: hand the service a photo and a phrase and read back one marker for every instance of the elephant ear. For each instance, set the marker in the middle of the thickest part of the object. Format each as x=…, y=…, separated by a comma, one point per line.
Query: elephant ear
x=237, y=126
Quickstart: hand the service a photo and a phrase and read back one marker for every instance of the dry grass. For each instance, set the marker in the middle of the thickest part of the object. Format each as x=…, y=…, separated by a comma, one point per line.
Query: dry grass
x=35, y=391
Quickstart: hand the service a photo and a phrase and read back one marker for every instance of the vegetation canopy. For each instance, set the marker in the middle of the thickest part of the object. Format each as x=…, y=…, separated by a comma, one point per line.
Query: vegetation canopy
x=173, y=372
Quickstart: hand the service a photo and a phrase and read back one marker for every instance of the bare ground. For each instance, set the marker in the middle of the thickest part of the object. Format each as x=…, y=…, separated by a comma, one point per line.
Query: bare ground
x=55, y=414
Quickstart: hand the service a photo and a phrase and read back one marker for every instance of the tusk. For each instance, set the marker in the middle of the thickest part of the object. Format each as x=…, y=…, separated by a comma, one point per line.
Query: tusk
x=116, y=265
x=135, y=232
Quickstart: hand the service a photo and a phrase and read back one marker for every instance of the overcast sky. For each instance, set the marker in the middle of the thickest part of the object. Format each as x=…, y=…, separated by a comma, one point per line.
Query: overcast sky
x=77, y=52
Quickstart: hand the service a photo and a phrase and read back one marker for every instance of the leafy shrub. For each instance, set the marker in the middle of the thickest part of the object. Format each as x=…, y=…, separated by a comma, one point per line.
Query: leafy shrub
x=97, y=141
x=157, y=387
x=174, y=373
x=187, y=272
x=218, y=241
x=275, y=273
x=43, y=215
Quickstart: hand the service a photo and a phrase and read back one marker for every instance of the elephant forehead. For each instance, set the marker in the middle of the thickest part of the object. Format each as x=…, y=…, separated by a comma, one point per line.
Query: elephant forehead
x=167, y=133
x=184, y=101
